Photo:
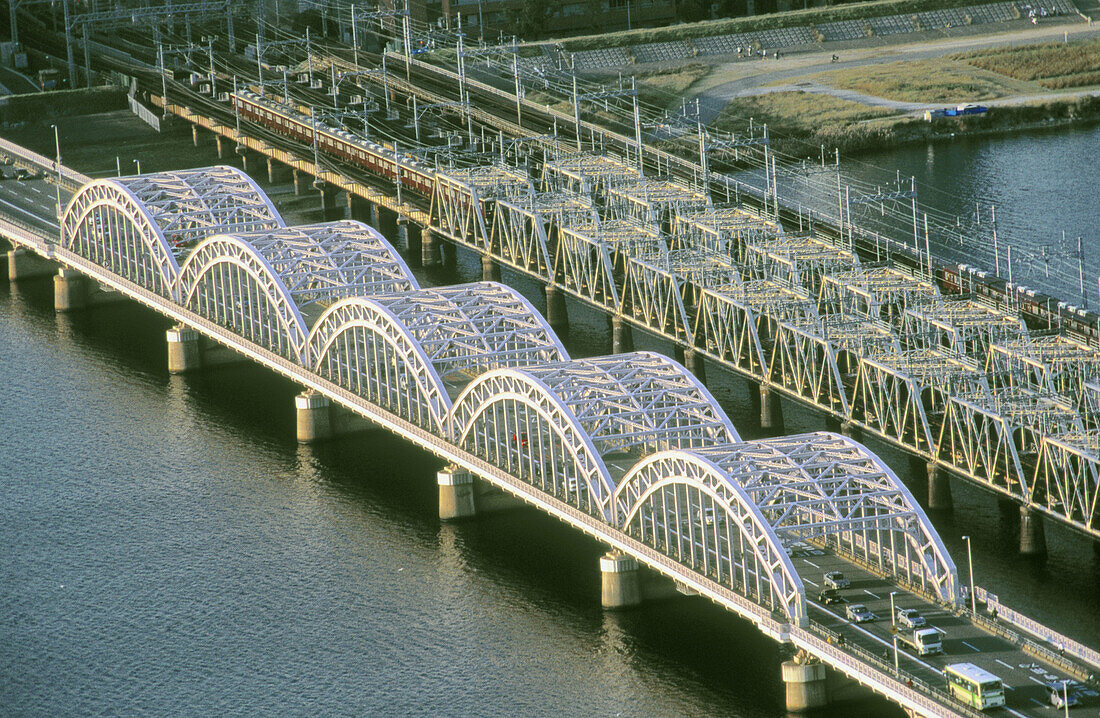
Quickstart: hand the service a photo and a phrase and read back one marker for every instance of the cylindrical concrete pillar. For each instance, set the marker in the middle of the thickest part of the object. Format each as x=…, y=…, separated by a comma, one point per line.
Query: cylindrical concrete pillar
x=329, y=207
x=939, y=488
x=413, y=235
x=806, y=686
x=449, y=250
x=557, y=316
x=429, y=248
x=456, y=494
x=70, y=290
x=375, y=214
x=272, y=170
x=622, y=336
x=313, y=417
x=299, y=181
x=620, y=581
x=387, y=222
x=1033, y=540
x=184, y=353
x=490, y=269
x=195, y=135
x=25, y=264
x=771, y=411
x=693, y=362
x=220, y=142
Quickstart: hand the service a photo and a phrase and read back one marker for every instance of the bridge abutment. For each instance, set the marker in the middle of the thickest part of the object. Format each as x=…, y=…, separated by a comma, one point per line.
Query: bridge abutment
x=806, y=685
x=622, y=336
x=456, y=494
x=1033, y=540
x=25, y=264
x=70, y=290
x=557, y=316
x=184, y=352
x=620, y=581
x=939, y=488
x=313, y=417
x=490, y=269
x=771, y=410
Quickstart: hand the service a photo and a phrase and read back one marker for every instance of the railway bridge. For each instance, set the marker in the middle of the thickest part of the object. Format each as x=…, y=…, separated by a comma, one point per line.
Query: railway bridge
x=630, y=448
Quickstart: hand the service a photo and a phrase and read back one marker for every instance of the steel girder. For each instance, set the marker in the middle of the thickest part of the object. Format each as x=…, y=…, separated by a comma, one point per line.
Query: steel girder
x=411, y=352
x=655, y=202
x=589, y=175
x=962, y=325
x=654, y=298
x=995, y=438
x=688, y=506
x=463, y=200
x=799, y=262
x=567, y=427
x=879, y=293
x=818, y=360
x=904, y=397
x=726, y=329
x=1067, y=482
x=723, y=230
x=1050, y=364
x=263, y=284
x=521, y=231
x=852, y=498
x=141, y=227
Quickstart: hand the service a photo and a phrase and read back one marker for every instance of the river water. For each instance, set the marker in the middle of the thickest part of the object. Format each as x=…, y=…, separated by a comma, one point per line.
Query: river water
x=168, y=548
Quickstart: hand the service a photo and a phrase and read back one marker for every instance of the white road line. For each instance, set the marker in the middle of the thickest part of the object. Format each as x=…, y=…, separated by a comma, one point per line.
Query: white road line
x=1037, y=680
x=887, y=644
x=806, y=580
x=27, y=212
x=1006, y=665
x=976, y=650
x=1016, y=713
x=875, y=595
x=811, y=563
x=1038, y=702
x=35, y=189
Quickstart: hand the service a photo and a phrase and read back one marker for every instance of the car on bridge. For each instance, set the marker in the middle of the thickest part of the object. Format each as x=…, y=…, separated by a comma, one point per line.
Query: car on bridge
x=858, y=613
x=910, y=618
x=829, y=596
x=836, y=579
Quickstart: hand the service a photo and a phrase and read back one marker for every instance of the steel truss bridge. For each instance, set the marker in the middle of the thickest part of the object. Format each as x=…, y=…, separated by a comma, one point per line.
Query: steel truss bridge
x=950, y=376
x=631, y=448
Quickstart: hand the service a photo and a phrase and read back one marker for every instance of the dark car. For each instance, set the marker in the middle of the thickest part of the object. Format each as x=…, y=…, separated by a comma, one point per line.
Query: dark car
x=829, y=596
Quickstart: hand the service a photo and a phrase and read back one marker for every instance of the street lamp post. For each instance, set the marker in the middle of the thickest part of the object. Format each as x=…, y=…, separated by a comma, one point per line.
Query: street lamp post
x=138, y=163
x=894, y=629
x=57, y=147
x=970, y=566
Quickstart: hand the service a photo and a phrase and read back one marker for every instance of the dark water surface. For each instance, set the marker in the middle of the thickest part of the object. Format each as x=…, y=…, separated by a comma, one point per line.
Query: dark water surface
x=169, y=549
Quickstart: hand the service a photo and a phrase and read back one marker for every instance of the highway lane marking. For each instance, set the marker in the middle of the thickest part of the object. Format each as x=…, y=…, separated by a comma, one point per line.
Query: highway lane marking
x=1038, y=702
x=806, y=580
x=1037, y=680
x=811, y=563
x=888, y=644
x=29, y=213
x=875, y=595
x=1016, y=713
x=1006, y=665
x=976, y=650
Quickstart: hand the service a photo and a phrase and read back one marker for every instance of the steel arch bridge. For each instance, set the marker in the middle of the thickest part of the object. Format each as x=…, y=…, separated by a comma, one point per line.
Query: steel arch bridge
x=729, y=512
x=269, y=286
x=573, y=428
x=413, y=352
x=141, y=227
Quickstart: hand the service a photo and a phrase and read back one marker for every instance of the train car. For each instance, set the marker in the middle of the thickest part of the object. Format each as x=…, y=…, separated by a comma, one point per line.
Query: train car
x=371, y=156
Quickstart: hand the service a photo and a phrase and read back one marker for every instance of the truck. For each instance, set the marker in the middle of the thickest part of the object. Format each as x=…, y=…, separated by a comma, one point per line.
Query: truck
x=926, y=641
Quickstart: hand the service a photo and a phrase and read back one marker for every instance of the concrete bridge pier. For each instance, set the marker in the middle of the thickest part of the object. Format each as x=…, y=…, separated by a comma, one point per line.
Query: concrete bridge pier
x=694, y=363
x=184, y=351
x=299, y=177
x=361, y=209
x=313, y=417
x=939, y=488
x=429, y=248
x=274, y=171
x=70, y=290
x=220, y=142
x=449, y=254
x=413, y=235
x=456, y=494
x=385, y=221
x=329, y=207
x=490, y=269
x=620, y=581
x=1033, y=540
x=25, y=264
x=247, y=165
x=622, y=336
x=195, y=135
x=557, y=316
x=805, y=680
x=771, y=410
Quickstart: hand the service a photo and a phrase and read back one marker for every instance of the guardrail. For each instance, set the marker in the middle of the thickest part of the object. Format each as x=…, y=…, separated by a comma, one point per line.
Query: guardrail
x=35, y=160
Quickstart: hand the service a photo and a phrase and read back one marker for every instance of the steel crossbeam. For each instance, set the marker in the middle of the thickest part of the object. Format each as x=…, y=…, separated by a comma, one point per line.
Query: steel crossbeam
x=723, y=230
x=961, y=325
x=799, y=262
x=1053, y=364
x=877, y=293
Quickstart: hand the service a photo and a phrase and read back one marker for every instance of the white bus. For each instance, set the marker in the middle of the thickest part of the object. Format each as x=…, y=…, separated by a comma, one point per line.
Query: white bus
x=974, y=686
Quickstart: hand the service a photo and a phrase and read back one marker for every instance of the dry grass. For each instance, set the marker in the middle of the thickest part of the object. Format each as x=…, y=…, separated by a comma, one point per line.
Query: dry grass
x=931, y=81
x=1054, y=65
x=664, y=89
x=799, y=113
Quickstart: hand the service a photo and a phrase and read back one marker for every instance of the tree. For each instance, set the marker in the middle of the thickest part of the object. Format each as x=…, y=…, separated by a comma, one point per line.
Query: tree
x=530, y=18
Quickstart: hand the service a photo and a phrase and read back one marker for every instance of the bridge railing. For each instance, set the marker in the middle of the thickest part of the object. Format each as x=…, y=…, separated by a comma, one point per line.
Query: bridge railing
x=34, y=160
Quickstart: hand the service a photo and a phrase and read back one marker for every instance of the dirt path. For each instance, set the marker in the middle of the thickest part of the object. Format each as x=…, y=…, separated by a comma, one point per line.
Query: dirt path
x=742, y=78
